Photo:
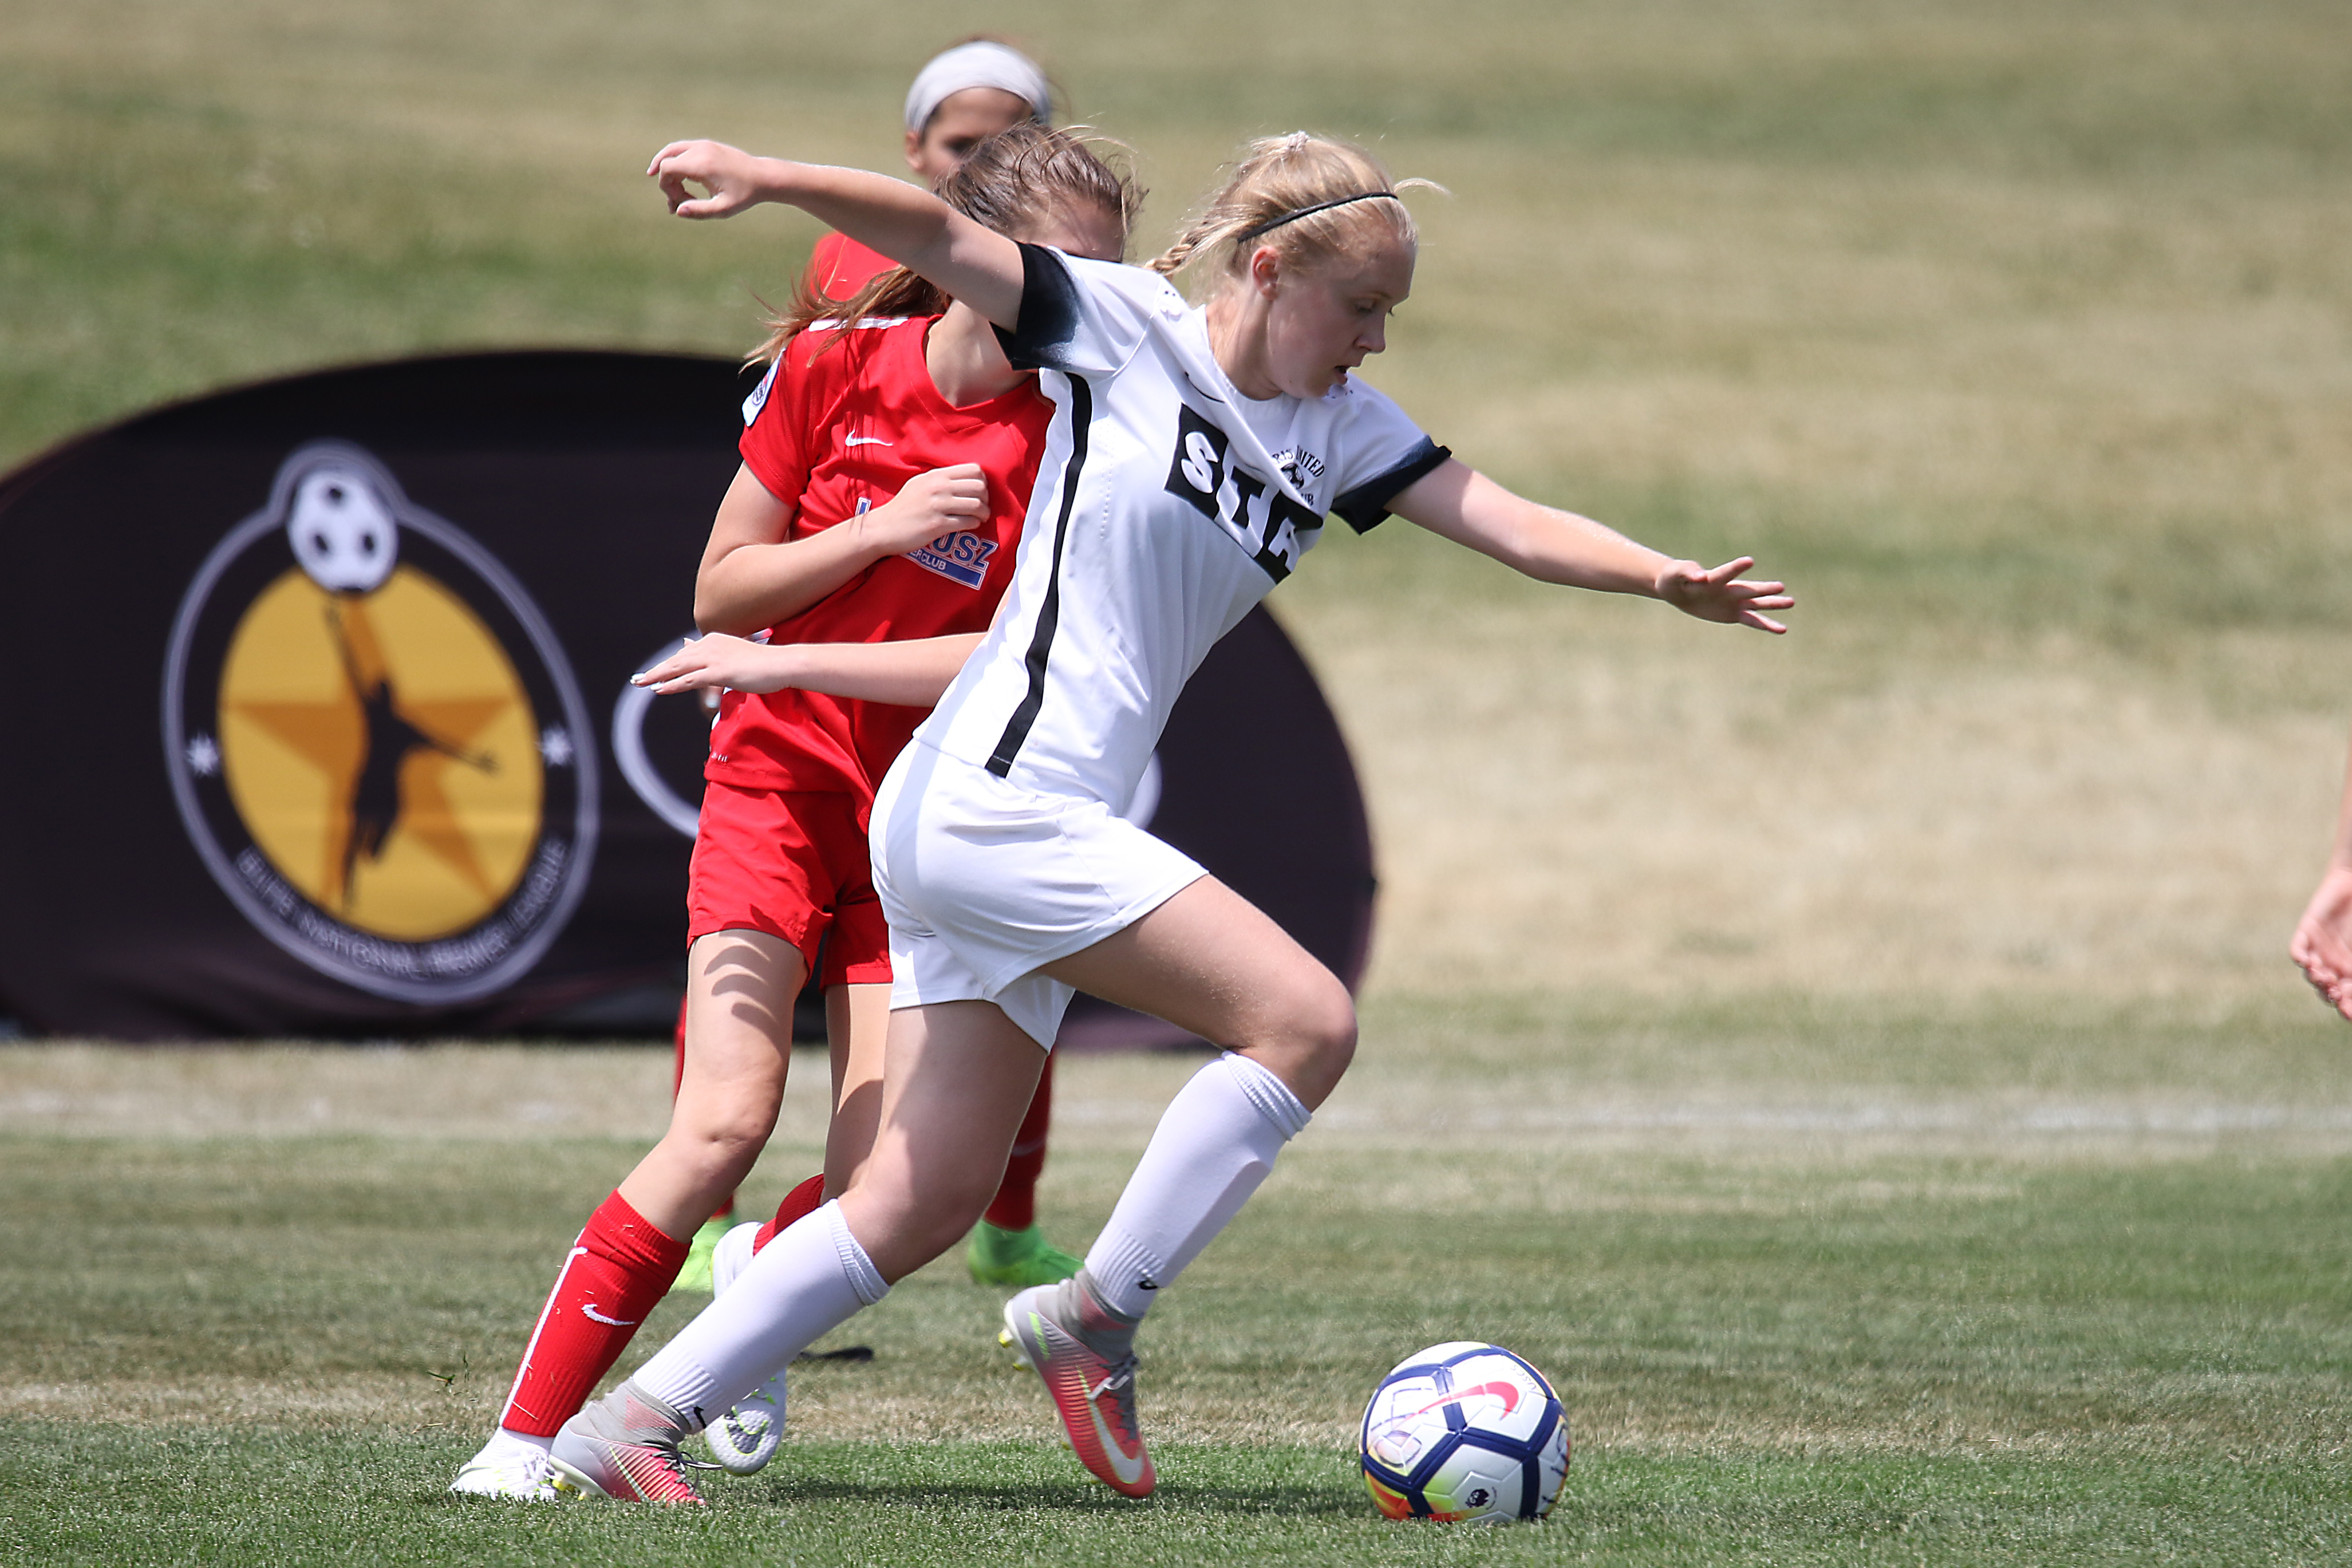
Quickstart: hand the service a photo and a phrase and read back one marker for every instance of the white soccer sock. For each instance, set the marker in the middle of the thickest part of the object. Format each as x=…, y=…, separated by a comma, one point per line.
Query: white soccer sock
x=812, y=1279
x=1215, y=1143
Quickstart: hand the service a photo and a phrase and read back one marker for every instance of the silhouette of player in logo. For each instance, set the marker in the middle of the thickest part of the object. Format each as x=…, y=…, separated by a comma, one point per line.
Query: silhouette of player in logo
x=388, y=739
x=346, y=539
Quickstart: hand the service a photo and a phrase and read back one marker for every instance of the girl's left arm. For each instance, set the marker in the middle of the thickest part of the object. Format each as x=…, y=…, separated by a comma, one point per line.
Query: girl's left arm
x=911, y=674
x=1463, y=505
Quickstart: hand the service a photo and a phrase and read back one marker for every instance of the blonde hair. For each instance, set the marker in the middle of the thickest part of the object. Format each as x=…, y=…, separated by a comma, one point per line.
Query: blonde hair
x=1309, y=197
x=1015, y=182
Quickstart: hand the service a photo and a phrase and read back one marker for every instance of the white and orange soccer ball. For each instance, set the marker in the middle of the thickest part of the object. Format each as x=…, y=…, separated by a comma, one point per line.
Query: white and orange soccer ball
x=1466, y=1433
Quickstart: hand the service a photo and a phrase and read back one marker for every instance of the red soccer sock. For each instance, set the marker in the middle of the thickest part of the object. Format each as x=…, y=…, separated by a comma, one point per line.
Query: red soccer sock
x=618, y=1268
x=799, y=1204
x=1015, y=1204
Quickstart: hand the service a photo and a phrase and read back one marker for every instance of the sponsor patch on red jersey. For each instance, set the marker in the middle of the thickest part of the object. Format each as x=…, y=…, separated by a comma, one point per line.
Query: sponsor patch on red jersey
x=959, y=557
x=848, y=417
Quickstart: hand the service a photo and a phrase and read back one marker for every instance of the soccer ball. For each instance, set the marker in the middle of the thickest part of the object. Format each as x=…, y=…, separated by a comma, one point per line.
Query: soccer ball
x=1466, y=1433
x=342, y=533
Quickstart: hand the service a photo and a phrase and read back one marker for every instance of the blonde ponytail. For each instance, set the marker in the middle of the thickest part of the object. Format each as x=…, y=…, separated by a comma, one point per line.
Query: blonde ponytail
x=1308, y=196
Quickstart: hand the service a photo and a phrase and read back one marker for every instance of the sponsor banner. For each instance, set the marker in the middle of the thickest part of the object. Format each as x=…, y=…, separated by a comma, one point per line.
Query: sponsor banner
x=323, y=727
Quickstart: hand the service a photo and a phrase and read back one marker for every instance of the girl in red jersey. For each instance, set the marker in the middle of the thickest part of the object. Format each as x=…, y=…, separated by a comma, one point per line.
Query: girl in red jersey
x=888, y=463
x=962, y=96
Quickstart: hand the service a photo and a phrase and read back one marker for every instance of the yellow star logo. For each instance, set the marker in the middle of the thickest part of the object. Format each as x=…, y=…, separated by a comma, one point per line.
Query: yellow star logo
x=383, y=753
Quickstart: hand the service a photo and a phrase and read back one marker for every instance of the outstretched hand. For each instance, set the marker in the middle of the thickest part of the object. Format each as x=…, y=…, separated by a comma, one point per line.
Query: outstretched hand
x=717, y=661
x=727, y=173
x=1722, y=595
x=2323, y=939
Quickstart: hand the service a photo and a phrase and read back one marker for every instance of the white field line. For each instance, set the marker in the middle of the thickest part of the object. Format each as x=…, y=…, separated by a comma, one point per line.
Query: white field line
x=1105, y=1103
x=2051, y=1117
x=1992, y=1121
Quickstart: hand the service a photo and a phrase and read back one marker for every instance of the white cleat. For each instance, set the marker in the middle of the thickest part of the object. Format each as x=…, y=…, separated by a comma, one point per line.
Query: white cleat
x=732, y=1255
x=745, y=1438
x=509, y=1476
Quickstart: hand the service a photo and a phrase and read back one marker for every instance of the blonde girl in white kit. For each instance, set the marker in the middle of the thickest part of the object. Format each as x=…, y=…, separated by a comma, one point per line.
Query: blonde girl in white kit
x=1193, y=455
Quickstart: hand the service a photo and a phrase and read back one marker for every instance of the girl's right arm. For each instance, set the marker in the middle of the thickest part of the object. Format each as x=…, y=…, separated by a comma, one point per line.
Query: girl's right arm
x=754, y=575
x=910, y=226
x=2323, y=938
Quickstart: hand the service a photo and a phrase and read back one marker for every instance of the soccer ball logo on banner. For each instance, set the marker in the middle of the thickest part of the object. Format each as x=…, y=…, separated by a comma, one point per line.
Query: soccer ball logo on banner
x=375, y=741
x=1465, y=1432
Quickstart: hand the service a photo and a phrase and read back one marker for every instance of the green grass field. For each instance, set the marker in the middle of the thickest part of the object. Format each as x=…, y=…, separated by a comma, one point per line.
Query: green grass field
x=1862, y=1070
x=1816, y=1286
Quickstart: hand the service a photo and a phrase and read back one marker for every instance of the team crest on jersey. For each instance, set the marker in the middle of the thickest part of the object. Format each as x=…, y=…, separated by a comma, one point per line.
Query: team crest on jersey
x=958, y=557
x=759, y=398
x=1302, y=468
x=376, y=743
x=1250, y=508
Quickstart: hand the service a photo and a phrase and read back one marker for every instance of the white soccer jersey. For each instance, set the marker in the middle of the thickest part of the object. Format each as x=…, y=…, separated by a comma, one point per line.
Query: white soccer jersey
x=1166, y=505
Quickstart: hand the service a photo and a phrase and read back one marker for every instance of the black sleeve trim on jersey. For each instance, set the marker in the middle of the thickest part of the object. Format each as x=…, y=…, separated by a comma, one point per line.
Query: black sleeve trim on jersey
x=1049, y=311
x=1049, y=614
x=1363, y=508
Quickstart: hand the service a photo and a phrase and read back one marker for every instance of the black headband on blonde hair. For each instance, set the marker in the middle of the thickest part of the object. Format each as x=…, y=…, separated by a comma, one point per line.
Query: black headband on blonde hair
x=1257, y=229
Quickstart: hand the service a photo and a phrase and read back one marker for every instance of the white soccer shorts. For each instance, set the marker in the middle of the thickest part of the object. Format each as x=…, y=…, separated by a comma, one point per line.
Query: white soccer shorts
x=985, y=882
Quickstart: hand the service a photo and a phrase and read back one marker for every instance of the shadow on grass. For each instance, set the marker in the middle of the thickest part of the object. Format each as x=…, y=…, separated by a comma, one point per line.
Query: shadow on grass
x=1295, y=1499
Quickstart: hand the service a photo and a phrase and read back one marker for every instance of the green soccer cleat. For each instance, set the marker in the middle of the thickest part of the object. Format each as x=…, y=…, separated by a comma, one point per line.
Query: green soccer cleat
x=696, y=1275
x=1015, y=1258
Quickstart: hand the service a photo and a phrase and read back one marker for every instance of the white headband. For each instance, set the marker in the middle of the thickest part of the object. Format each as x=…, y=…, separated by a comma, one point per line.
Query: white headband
x=978, y=64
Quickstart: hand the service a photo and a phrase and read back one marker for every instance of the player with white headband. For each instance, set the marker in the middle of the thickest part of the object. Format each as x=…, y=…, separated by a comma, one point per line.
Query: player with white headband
x=1193, y=455
x=962, y=96
x=959, y=98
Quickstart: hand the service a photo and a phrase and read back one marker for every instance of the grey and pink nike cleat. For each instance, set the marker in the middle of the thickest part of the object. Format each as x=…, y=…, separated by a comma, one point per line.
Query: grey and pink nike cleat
x=1093, y=1393
x=624, y=1447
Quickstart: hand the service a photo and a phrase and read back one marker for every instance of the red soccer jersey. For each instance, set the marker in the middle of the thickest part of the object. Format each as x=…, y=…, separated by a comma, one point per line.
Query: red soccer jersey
x=844, y=419
x=840, y=266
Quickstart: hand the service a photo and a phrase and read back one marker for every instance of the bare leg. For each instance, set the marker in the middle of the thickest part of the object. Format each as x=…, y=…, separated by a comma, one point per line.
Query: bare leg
x=1209, y=961
x=857, y=1022
x=738, y=1047
x=959, y=1074
x=957, y=1082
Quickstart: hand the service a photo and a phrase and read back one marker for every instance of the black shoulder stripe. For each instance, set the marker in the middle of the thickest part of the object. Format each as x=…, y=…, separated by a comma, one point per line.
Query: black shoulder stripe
x=1363, y=508
x=1049, y=614
x=1049, y=311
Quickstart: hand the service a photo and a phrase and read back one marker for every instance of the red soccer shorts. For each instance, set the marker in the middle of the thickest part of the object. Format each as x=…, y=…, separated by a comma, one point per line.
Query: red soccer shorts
x=793, y=864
